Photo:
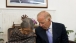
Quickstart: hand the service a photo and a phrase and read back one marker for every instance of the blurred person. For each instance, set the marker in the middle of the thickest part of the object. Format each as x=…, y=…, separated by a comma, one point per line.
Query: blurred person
x=24, y=34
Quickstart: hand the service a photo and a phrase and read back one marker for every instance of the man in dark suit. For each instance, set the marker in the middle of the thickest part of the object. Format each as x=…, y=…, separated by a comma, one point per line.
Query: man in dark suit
x=48, y=31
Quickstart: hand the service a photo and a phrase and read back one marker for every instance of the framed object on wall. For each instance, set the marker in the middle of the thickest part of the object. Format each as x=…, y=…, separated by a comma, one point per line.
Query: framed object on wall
x=27, y=3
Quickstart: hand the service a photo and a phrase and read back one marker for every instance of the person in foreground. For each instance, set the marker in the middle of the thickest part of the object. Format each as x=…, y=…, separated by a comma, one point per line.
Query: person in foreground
x=48, y=31
x=25, y=34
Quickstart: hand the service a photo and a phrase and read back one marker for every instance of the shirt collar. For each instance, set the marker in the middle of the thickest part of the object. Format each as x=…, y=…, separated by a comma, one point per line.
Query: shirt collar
x=50, y=26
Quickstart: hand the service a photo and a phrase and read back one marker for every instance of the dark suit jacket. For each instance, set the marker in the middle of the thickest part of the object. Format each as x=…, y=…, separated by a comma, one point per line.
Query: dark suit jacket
x=59, y=34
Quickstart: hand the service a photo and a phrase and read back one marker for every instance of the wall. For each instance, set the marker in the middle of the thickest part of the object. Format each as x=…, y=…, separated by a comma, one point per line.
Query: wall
x=65, y=12
x=0, y=21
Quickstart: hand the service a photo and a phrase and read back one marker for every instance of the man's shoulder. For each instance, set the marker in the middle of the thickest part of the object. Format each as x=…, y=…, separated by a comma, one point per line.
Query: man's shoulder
x=57, y=23
x=38, y=28
x=59, y=26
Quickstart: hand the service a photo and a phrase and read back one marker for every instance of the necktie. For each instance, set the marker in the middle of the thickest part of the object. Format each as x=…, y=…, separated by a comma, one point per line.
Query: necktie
x=49, y=34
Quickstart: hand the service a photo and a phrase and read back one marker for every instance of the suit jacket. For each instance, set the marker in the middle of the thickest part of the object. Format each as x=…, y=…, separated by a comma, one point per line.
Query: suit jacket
x=59, y=34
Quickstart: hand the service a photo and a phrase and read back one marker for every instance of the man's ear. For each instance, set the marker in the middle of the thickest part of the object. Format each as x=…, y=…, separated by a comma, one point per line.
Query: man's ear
x=49, y=19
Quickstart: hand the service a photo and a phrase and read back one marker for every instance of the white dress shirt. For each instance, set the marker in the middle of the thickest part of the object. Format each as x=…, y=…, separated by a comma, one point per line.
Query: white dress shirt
x=50, y=28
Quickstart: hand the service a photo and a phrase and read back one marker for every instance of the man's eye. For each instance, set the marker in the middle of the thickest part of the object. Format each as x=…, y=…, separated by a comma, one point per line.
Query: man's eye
x=42, y=23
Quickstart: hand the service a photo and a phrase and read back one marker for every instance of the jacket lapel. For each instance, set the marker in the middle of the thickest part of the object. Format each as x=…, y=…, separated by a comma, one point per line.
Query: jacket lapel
x=54, y=32
x=44, y=36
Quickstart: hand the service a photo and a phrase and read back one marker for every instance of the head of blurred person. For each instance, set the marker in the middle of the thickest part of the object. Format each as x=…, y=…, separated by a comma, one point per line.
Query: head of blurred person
x=27, y=26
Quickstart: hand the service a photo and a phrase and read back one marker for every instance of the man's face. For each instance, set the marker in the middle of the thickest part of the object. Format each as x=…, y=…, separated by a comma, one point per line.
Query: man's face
x=44, y=23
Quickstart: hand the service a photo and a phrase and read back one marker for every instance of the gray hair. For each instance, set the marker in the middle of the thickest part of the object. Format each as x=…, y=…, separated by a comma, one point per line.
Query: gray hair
x=27, y=22
x=47, y=14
